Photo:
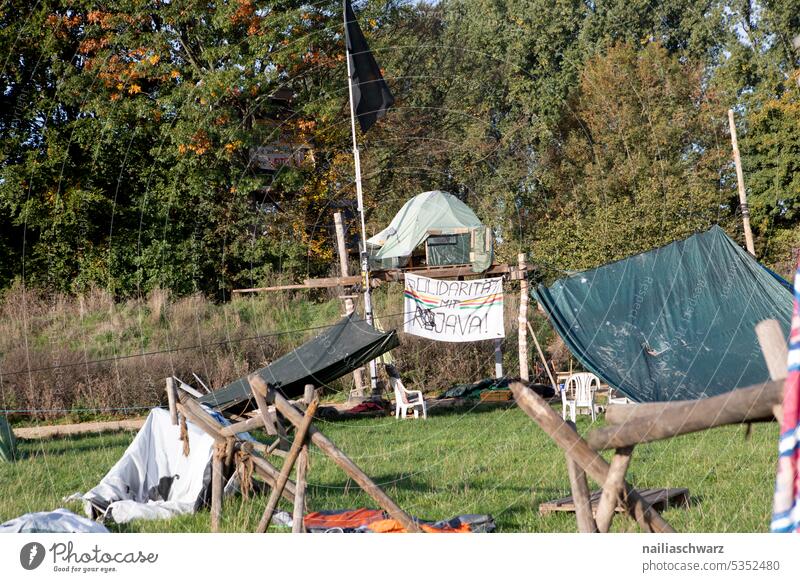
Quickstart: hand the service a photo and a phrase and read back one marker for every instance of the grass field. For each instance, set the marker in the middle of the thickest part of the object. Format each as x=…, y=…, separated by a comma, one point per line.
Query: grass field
x=495, y=462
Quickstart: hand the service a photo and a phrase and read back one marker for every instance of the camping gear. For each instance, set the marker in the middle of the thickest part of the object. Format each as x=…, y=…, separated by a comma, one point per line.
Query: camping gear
x=673, y=323
x=376, y=521
x=337, y=351
x=475, y=391
x=452, y=231
x=786, y=506
x=8, y=442
x=58, y=521
x=154, y=479
x=578, y=392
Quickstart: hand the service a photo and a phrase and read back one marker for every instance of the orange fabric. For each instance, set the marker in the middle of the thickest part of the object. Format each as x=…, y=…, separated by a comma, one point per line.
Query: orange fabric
x=393, y=526
x=346, y=519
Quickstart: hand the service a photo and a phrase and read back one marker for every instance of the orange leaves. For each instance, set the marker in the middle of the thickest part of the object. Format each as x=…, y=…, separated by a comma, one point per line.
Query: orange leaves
x=134, y=89
x=200, y=144
x=231, y=147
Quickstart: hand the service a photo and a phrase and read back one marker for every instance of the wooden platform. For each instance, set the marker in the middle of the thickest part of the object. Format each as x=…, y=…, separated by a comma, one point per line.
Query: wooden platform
x=660, y=499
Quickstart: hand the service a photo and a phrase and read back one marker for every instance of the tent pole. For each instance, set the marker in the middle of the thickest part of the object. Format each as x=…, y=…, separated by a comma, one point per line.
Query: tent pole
x=748, y=233
x=373, y=368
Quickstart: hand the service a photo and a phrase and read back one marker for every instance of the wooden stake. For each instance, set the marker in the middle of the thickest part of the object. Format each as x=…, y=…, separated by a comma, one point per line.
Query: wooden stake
x=748, y=234
x=613, y=488
x=577, y=448
x=336, y=455
x=288, y=465
x=522, y=331
x=580, y=494
x=172, y=398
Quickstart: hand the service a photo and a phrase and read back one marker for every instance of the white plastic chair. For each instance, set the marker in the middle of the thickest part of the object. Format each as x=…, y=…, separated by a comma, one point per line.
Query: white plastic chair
x=578, y=392
x=406, y=400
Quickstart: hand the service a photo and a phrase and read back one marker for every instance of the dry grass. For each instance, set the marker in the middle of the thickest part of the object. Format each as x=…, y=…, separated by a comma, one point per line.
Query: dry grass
x=50, y=346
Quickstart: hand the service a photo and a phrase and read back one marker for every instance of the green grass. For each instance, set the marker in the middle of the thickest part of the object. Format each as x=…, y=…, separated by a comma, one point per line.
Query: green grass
x=496, y=462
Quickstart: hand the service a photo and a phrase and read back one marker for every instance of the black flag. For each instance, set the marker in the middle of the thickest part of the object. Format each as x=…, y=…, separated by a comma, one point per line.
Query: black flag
x=371, y=95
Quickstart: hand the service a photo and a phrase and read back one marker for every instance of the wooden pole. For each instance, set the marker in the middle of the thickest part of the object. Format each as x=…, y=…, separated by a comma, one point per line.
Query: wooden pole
x=522, y=321
x=544, y=360
x=271, y=423
x=172, y=398
x=671, y=419
x=336, y=455
x=748, y=234
x=288, y=465
x=613, y=488
x=577, y=448
x=309, y=394
x=349, y=306
x=216, y=485
x=774, y=347
x=580, y=494
x=300, y=491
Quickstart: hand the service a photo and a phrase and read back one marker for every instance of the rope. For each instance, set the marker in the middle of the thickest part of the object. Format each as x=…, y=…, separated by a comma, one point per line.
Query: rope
x=184, y=435
x=244, y=471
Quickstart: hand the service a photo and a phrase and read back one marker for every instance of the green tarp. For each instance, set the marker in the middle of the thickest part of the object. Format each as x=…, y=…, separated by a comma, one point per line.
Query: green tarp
x=8, y=444
x=337, y=351
x=673, y=323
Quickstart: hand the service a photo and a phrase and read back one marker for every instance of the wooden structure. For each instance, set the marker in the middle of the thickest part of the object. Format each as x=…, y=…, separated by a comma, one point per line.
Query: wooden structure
x=658, y=499
x=234, y=454
x=641, y=423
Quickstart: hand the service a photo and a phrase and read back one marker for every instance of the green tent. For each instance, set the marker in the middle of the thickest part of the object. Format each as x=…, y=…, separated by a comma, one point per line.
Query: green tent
x=337, y=351
x=8, y=444
x=454, y=233
x=673, y=323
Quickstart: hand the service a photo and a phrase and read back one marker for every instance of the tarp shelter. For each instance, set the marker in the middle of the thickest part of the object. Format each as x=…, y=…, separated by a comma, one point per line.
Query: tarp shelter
x=337, y=351
x=451, y=230
x=8, y=444
x=673, y=323
x=154, y=479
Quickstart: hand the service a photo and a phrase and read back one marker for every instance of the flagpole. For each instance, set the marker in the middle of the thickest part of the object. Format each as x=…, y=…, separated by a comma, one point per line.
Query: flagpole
x=373, y=368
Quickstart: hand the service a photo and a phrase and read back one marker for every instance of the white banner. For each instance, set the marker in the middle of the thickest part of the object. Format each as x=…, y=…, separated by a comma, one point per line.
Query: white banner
x=454, y=311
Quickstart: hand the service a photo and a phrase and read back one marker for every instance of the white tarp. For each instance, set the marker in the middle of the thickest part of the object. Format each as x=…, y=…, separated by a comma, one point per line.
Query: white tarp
x=153, y=479
x=58, y=521
x=454, y=311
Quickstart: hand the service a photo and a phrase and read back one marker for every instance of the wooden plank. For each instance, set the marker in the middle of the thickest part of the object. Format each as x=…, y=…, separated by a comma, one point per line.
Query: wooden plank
x=337, y=456
x=273, y=288
x=59, y=430
x=669, y=419
x=613, y=488
x=271, y=423
x=288, y=465
x=595, y=466
x=658, y=498
x=580, y=493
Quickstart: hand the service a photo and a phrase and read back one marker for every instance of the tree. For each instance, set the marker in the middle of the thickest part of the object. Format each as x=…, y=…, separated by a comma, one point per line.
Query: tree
x=638, y=164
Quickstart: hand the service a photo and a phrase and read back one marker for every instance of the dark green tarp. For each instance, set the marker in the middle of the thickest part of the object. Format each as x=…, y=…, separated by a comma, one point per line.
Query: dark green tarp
x=337, y=351
x=8, y=444
x=673, y=323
